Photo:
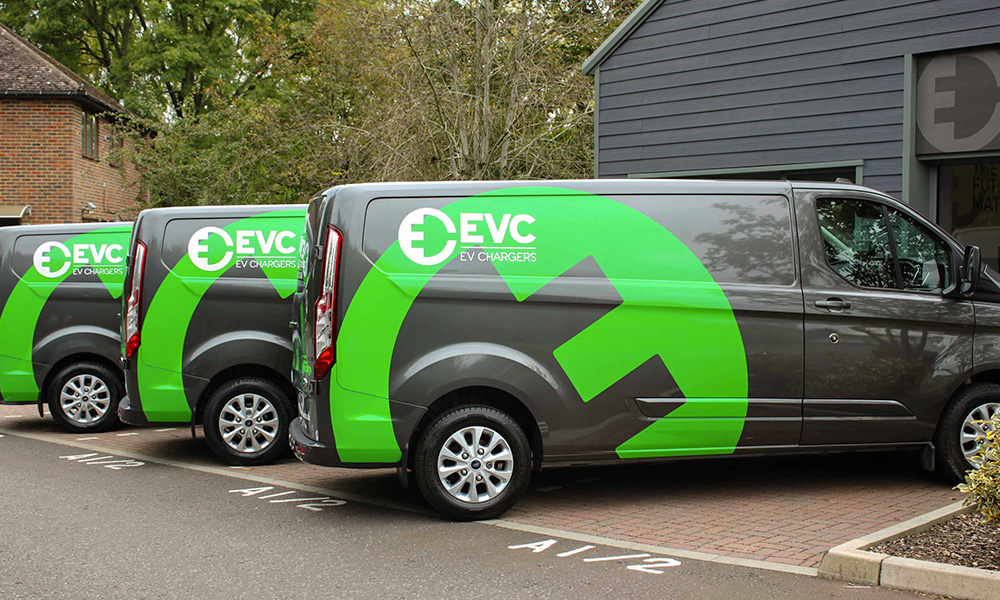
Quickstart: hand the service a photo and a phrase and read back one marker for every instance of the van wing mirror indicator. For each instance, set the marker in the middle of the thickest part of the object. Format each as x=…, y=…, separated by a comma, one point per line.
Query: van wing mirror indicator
x=971, y=270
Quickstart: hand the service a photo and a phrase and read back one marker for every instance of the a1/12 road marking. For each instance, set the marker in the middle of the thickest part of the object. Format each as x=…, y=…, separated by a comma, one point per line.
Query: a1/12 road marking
x=315, y=504
x=652, y=565
x=108, y=461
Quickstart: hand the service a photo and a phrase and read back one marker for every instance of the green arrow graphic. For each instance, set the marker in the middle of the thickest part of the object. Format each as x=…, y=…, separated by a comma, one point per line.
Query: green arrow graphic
x=22, y=309
x=165, y=326
x=671, y=308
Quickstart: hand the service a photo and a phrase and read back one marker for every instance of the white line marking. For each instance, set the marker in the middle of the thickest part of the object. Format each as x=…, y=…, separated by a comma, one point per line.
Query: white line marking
x=168, y=429
x=1, y=435
x=299, y=500
x=577, y=551
x=653, y=565
x=88, y=438
x=13, y=416
x=276, y=495
x=126, y=434
x=623, y=557
x=86, y=460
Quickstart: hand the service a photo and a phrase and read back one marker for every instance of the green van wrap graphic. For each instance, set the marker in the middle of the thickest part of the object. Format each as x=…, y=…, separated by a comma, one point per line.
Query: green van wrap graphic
x=99, y=252
x=165, y=325
x=671, y=308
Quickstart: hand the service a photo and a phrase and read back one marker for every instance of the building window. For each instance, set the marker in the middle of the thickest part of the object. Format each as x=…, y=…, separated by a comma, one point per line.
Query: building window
x=117, y=147
x=969, y=205
x=89, y=136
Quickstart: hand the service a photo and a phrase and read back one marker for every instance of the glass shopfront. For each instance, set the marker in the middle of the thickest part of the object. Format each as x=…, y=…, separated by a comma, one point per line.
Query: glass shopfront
x=969, y=205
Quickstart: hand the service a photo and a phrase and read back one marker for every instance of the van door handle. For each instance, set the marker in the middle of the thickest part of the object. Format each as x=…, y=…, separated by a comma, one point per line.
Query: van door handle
x=833, y=304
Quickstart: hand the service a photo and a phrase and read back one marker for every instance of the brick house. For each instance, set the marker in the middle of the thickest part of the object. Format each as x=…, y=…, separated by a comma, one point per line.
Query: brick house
x=56, y=137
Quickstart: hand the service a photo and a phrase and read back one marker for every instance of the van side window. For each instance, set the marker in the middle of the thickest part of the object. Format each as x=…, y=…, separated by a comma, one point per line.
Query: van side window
x=923, y=257
x=856, y=239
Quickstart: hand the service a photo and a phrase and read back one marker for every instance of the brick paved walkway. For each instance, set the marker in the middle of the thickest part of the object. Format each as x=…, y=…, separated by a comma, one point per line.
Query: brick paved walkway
x=786, y=510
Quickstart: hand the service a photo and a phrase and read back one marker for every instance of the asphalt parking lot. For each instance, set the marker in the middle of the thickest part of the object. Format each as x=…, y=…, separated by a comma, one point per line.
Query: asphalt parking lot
x=76, y=504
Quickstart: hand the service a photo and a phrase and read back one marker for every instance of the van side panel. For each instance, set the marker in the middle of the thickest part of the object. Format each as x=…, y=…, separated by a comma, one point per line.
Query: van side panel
x=64, y=284
x=588, y=309
x=216, y=295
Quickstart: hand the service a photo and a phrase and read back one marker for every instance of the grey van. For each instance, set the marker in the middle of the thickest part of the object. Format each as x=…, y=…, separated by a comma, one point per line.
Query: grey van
x=59, y=292
x=204, y=328
x=474, y=332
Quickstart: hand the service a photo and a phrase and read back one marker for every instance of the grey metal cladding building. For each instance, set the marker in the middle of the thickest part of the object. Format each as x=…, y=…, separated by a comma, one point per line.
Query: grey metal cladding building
x=900, y=95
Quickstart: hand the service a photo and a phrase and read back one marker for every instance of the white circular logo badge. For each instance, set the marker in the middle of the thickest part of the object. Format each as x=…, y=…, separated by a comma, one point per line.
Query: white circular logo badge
x=407, y=236
x=198, y=248
x=44, y=258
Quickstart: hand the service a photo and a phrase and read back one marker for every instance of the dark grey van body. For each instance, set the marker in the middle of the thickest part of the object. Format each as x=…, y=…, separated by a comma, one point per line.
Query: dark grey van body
x=612, y=320
x=206, y=316
x=59, y=291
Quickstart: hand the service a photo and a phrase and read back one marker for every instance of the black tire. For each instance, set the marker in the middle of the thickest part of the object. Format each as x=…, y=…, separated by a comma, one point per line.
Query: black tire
x=280, y=404
x=87, y=372
x=950, y=460
x=437, y=435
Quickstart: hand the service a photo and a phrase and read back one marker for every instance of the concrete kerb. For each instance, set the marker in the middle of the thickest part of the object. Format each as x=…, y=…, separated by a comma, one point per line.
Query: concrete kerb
x=852, y=562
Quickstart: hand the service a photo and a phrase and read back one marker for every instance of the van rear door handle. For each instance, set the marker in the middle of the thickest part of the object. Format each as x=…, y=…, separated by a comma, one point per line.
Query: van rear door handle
x=833, y=304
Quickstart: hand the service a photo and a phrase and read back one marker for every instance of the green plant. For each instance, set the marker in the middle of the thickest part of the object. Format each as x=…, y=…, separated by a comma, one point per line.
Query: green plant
x=982, y=484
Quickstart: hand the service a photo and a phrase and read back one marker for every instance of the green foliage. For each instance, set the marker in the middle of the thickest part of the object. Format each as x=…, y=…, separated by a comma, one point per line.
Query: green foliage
x=983, y=483
x=180, y=57
x=254, y=101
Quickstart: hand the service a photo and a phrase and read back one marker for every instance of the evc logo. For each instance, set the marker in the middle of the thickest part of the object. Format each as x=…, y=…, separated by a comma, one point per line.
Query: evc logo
x=417, y=235
x=54, y=259
x=213, y=249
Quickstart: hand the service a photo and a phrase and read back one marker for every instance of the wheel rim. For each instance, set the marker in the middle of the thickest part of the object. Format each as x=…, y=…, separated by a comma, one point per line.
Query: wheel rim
x=248, y=423
x=972, y=433
x=475, y=464
x=85, y=398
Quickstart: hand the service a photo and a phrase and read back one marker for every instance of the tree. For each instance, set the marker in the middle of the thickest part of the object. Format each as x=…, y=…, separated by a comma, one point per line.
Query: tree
x=185, y=56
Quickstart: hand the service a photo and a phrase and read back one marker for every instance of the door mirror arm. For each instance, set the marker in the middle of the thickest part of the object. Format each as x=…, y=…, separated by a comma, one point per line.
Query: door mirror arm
x=971, y=269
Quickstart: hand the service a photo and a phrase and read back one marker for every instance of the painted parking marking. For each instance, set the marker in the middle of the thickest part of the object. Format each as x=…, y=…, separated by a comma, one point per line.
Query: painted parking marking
x=126, y=434
x=622, y=557
x=1, y=435
x=276, y=495
x=168, y=429
x=107, y=461
x=86, y=439
x=314, y=504
x=577, y=551
x=13, y=416
x=653, y=565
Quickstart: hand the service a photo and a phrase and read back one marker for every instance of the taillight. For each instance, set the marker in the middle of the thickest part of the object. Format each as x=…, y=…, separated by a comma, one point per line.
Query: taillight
x=325, y=307
x=132, y=306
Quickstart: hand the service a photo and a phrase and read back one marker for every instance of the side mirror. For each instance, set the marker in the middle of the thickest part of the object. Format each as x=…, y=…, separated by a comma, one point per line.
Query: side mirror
x=971, y=270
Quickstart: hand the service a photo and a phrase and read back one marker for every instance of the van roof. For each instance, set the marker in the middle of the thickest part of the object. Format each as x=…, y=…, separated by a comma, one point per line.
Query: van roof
x=153, y=216
x=595, y=186
x=57, y=229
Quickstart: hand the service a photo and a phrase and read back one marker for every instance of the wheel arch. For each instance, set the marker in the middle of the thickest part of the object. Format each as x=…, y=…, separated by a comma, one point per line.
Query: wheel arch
x=79, y=357
x=231, y=373
x=481, y=395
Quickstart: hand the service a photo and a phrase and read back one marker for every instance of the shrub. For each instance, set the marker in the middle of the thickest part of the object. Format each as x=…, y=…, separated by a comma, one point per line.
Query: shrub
x=983, y=484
